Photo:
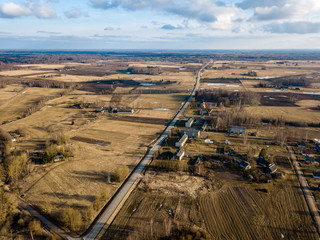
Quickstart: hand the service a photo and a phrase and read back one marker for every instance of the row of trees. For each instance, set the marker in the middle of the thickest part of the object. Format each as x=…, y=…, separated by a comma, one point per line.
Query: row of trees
x=228, y=98
x=144, y=70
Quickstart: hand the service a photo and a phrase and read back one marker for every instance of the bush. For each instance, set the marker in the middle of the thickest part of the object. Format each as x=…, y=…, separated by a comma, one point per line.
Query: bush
x=62, y=139
x=35, y=227
x=121, y=173
x=72, y=219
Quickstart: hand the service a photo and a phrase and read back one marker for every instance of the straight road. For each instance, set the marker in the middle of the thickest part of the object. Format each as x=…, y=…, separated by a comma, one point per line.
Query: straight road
x=306, y=192
x=108, y=212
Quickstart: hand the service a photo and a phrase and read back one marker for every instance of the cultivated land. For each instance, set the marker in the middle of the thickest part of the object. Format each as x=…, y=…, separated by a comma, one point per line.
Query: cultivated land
x=216, y=199
x=80, y=155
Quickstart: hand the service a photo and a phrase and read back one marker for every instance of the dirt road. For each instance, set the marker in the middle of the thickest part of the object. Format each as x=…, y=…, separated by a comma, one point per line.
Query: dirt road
x=306, y=192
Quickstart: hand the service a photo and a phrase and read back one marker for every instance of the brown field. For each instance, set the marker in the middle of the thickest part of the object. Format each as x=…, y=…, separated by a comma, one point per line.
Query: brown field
x=238, y=211
x=101, y=142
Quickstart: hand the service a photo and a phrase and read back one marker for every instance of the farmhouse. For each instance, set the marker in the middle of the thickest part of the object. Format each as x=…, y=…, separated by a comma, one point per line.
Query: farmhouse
x=189, y=122
x=236, y=129
x=191, y=132
x=316, y=174
x=179, y=154
x=244, y=165
x=182, y=141
x=209, y=105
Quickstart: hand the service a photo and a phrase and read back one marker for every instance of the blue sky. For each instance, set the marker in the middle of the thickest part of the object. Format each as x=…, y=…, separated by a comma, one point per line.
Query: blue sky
x=159, y=24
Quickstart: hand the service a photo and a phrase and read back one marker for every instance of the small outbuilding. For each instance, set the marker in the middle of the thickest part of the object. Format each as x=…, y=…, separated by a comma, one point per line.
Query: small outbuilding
x=189, y=122
x=182, y=141
x=179, y=154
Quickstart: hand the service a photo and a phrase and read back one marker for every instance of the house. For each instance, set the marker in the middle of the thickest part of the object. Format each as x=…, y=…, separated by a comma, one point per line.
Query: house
x=209, y=105
x=271, y=169
x=99, y=109
x=236, y=129
x=316, y=174
x=126, y=111
x=262, y=162
x=305, y=152
x=179, y=154
x=191, y=132
x=189, y=122
x=301, y=144
x=244, y=165
x=182, y=141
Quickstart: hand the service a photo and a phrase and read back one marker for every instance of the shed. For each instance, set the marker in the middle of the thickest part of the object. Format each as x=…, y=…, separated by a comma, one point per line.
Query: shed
x=244, y=165
x=236, y=129
x=179, y=154
x=189, y=122
x=182, y=141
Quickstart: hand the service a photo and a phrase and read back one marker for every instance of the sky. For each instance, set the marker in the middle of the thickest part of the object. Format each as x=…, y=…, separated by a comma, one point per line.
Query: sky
x=159, y=24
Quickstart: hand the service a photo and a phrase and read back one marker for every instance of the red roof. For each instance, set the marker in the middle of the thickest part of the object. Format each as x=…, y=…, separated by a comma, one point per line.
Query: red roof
x=305, y=152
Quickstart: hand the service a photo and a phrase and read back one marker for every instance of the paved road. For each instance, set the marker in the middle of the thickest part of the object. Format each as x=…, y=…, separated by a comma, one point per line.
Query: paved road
x=137, y=173
x=306, y=192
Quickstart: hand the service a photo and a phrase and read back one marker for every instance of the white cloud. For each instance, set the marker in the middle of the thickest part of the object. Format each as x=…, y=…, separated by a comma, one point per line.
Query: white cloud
x=267, y=10
x=73, y=13
x=210, y=12
x=294, y=27
x=38, y=8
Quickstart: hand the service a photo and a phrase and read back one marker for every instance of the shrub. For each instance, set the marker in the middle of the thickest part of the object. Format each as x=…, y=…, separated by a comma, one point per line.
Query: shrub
x=121, y=173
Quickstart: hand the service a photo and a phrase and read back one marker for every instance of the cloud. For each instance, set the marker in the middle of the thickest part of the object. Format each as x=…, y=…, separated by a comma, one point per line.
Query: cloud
x=46, y=32
x=73, y=13
x=36, y=8
x=108, y=28
x=214, y=13
x=294, y=27
x=170, y=27
x=267, y=10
